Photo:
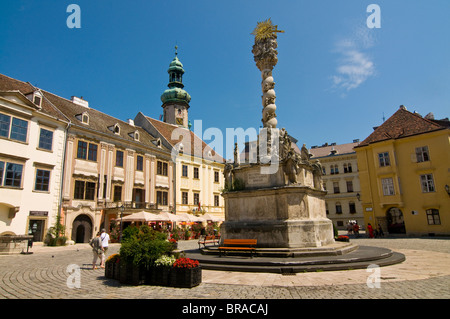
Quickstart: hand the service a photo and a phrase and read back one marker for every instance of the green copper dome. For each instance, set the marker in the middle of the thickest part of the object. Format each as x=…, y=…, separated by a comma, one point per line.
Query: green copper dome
x=175, y=92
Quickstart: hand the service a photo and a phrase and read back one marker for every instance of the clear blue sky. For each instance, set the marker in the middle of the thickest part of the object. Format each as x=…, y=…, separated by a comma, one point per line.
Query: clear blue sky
x=335, y=77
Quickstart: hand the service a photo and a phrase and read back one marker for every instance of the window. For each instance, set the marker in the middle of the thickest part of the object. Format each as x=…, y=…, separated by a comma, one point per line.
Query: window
x=336, y=187
x=85, y=118
x=184, y=198
x=184, y=170
x=338, y=208
x=19, y=130
x=347, y=168
x=15, y=129
x=352, y=208
x=388, y=186
x=427, y=183
x=384, y=159
x=119, y=158
x=349, y=186
x=4, y=125
x=422, y=154
x=161, y=198
x=87, y=151
x=79, y=190
x=84, y=190
x=117, y=193
x=82, y=149
x=2, y=168
x=11, y=174
x=196, y=172
x=216, y=177
x=42, y=180
x=92, y=152
x=332, y=169
x=336, y=169
x=45, y=139
x=196, y=198
x=161, y=168
x=116, y=129
x=216, y=200
x=140, y=163
x=433, y=217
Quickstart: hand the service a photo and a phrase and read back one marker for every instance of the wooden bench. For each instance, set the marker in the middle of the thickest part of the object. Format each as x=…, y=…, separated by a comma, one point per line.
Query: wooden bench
x=210, y=239
x=238, y=245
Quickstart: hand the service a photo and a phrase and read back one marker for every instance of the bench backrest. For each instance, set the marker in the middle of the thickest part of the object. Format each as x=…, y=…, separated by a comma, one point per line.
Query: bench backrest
x=240, y=242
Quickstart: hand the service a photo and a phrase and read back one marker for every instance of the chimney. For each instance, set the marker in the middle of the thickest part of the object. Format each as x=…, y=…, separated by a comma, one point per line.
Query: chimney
x=80, y=101
x=131, y=122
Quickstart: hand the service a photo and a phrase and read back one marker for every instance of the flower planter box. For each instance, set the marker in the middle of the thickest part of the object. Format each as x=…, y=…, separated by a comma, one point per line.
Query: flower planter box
x=160, y=276
x=343, y=238
x=132, y=274
x=109, y=270
x=185, y=277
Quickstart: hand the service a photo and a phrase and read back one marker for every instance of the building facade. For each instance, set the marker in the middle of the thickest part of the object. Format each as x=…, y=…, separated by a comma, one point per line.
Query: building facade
x=341, y=181
x=112, y=168
x=32, y=136
x=404, y=173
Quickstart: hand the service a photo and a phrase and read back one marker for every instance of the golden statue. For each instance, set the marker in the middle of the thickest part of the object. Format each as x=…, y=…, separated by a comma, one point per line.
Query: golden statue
x=265, y=30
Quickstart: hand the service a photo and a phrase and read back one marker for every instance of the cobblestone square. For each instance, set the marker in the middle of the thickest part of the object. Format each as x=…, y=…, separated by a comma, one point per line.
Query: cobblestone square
x=45, y=275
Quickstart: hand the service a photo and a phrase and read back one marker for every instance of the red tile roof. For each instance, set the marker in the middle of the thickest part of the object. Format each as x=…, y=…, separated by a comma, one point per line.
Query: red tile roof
x=193, y=145
x=401, y=124
x=340, y=149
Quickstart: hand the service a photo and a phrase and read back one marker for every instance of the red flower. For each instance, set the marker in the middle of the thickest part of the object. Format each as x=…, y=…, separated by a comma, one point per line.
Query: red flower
x=172, y=240
x=186, y=263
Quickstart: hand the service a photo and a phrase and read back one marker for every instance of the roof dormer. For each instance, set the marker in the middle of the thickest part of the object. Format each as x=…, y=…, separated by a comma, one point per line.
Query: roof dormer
x=35, y=97
x=83, y=118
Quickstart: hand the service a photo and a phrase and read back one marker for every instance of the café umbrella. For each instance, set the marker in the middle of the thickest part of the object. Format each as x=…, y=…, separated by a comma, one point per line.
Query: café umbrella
x=143, y=216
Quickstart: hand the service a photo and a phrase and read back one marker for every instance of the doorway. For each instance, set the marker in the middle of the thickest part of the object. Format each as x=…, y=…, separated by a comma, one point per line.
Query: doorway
x=36, y=229
x=82, y=229
x=395, y=221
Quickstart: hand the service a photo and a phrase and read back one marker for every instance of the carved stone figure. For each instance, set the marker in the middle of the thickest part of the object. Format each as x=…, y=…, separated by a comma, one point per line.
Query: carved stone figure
x=237, y=160
x=317, y=174
x=228, y=175
x=291, y=167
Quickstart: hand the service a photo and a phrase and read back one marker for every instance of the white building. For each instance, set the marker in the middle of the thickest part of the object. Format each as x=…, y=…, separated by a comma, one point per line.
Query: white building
x=32, y=138
x=341, y=181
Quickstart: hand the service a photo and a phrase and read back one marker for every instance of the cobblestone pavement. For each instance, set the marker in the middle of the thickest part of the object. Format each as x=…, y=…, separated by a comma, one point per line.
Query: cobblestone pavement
x=45, y=275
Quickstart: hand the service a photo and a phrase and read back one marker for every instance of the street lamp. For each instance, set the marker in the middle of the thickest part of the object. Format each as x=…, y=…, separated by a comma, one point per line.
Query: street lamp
x=122, y=208
x=447, y=188
x=358, y=196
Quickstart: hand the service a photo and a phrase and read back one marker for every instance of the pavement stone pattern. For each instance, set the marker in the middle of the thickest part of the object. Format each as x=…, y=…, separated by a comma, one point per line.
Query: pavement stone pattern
x=45, y=275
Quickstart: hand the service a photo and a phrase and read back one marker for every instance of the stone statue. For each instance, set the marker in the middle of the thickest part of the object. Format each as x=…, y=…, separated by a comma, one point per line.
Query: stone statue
x=304, y=153
x=228, y=175
x=237, y=160
x=317, y=174
x=291, y=167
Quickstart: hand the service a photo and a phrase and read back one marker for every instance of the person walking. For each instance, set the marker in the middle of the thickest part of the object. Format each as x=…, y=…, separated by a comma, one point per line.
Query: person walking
x=370, y=229
x=105, y=242
x=380, y=231
x=356, y=229
x=97, y=250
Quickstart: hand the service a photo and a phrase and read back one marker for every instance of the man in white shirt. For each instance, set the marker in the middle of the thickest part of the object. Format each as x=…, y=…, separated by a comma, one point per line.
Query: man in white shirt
x=105, y=241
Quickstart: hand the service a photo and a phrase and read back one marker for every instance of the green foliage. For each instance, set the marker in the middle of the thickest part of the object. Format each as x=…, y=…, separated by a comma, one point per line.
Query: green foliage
x=143, y=245
x=237, y=185
x=55, y=234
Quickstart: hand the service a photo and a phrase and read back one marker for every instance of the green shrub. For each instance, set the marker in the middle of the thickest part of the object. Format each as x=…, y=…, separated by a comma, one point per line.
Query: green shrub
x=144, y=246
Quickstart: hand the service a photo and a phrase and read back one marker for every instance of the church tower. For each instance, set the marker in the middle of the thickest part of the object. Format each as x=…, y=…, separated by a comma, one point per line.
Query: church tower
x=175, y=99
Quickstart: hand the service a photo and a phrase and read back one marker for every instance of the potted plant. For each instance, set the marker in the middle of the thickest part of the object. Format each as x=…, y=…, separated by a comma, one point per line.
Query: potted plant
x=138, y=251
x=174, y=243
x=342, y=238
x=185, y=273
x=112, y=266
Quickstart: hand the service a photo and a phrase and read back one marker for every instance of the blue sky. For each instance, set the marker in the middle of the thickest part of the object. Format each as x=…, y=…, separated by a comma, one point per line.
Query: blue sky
x=335, y=77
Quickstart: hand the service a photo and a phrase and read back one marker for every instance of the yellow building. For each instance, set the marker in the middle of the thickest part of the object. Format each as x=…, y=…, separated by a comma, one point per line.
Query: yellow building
x=404, y=168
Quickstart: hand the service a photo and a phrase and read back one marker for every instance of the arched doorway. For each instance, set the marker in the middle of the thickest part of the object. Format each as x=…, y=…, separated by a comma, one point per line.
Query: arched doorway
x=82, y=229
x=395, y=221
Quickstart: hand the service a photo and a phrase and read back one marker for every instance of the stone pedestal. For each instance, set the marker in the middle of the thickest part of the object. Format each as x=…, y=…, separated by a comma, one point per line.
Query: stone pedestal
x=285, y=217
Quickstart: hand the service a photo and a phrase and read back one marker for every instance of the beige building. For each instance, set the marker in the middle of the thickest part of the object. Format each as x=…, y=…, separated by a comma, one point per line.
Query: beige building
x=198, y=174
x=341, y=181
